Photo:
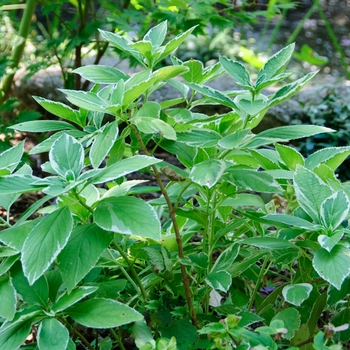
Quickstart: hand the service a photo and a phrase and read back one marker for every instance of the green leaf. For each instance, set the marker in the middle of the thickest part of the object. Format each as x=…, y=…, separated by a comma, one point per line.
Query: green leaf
x=186, y=335
x=142, y=334
x=136, y=90
x=149, y=125
x=121, y=43
x=268, y=159
x=341, y=320
x=262, y=83
x=185, y=153
x=156, y=35
x=173, y=44
x=208, y=173
x=276, y=64
x=155, y=257
x=138, y=78
x=237, y=71
x=307, y=54
x=334, y=209
x=200, y=260
x=293, y=132
x=42, y=126
x=237, y=268
x=84, y=247
x=45, y=242
x=215, y=95
x=269, y=243
x=331, y=156
x=219, y=280
x=8, y=200
x=100, y=74
x=86, y=100
x=103, y=143
x=123, y=188
x=15, y=236
x=60, y=110
x=67, y=300
x=194, y=75
x=199, y=138
x=293, y=221
x=149, y=109
x=288, y=91
x=46, y=145
x=244, y=199
x=8, y=300
x=334, y=295
x=291, y=321
x=248, y=318
x=55, y=282
x=310, y=191
x=252, y=179
x=249, y=106
x=128, y=215
x=36, y=294
x=7, y=263
x=103, y=313
x=145, y=49
x=290, y=156
x=10, y=158
x=233, y=141
x=328, y=242
x=333, y=266
x=296, y=294
x=67, y=156
x=10, y=184
x=52, y=335
x=226, y=258
x=122, y=168
x=13, y=334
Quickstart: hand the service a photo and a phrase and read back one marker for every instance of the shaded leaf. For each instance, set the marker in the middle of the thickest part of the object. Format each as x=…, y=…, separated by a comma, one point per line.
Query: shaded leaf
x=128, y=215
x=45, y=242
x=103, y=313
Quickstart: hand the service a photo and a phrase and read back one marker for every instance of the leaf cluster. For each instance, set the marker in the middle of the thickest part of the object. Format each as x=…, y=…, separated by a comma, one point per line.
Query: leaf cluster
x=242, y=230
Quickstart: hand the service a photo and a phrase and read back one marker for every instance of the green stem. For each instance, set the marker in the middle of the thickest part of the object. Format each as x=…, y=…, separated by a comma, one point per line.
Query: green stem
x=300, y=25
x=78, y=334
x=4, y=222
x=132, y=269
x=257, y=285
x=5, y=84
x=334, y=39
x=172, y=215
x=212, y=231
x=122, y=253
x=117, y=337
x=127, y=276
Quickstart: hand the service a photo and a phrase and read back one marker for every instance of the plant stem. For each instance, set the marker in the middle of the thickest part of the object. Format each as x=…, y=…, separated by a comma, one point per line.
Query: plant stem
x=117, y=338
x=300, y=25
x=127, y=276
x=172, y=215
x=78, y=334
x=121, y=252
x=4, y=222
x=132, y=269
x=5, y=84
x=257, y=285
